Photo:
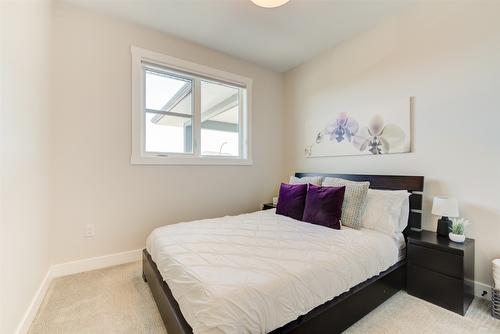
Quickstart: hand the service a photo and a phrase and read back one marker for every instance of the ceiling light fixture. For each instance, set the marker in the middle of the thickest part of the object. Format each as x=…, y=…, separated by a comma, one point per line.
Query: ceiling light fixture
x=270, y=3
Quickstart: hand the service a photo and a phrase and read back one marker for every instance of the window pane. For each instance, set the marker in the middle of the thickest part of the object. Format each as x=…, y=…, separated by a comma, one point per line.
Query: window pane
x=164, y=91
x=219, y=143
x=219, y=119
x=168, y=114
x=168, y=134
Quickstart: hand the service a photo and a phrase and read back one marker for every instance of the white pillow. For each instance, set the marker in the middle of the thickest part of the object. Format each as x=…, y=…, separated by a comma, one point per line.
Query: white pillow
x=386, y=211
x=405, y=214
x=316, y=180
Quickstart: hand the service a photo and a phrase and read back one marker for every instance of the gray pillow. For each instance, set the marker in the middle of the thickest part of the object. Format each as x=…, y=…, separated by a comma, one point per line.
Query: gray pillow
x=316, y=180
x=354, y=199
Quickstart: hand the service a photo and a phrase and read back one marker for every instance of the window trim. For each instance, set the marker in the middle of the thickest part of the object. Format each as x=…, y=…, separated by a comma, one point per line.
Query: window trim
x=139, y=156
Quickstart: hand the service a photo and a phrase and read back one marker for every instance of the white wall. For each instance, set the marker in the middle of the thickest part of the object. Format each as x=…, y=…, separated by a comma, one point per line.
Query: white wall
x=94, y=181
x=448, y=57
x=25, y=155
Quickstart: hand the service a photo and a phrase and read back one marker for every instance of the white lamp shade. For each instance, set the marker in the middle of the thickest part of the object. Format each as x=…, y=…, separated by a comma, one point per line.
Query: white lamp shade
x=445, y=207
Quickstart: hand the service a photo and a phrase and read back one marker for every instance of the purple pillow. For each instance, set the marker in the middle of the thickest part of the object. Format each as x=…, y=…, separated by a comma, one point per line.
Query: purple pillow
x=324, y=206
x=291, y=200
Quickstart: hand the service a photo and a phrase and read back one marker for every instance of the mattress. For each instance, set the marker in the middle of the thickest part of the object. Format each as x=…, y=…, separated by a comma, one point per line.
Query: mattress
x=400, y=241
x=256, y=272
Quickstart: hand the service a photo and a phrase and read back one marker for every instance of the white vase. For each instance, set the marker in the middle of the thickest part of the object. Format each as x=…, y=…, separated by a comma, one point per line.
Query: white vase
x=460, y=238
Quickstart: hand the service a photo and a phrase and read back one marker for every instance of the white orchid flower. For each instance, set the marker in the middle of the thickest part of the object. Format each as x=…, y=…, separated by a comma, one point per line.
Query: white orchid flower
x=378, y=137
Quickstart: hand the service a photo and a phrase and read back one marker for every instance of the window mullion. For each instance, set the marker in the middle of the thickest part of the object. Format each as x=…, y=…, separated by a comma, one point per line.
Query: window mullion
x=197, y=117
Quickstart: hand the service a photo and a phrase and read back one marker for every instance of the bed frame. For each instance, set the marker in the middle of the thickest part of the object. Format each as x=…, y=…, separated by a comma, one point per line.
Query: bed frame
x=342, y=311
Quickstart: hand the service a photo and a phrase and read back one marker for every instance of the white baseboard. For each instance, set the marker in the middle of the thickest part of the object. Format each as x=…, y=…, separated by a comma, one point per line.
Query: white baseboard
x=30, y=314
x=93, y=263
x=69, y=268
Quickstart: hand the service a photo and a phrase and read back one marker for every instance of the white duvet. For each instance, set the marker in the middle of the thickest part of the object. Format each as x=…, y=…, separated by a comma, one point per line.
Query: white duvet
x=256, y=272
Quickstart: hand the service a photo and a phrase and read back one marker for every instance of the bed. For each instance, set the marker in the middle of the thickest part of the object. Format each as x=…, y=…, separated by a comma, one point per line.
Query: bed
x=262, y=272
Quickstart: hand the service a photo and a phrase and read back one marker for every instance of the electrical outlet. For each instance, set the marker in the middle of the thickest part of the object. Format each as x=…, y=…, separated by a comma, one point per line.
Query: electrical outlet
x=89, y=230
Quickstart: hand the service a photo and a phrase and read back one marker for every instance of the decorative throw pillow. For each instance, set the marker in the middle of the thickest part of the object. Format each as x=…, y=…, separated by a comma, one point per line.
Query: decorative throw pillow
x=291, y=200
x=316, y=180
x=324, y=206
x=386, y=211
x=354, y=199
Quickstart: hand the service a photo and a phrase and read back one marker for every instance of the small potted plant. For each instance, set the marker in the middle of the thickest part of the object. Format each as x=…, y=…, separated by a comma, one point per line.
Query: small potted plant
x=457, y=230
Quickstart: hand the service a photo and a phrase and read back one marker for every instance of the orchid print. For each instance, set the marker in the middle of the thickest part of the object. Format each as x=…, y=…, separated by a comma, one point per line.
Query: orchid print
x=308, y=151
x=378, y=137
x=343, y=127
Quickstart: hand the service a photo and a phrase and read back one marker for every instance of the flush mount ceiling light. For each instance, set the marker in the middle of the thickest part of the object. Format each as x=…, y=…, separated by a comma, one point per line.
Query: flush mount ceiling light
x=270, y=3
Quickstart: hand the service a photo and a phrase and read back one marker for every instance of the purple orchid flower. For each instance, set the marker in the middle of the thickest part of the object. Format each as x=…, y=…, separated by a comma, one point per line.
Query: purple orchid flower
x=378, y=137
x=346, y=126
x=343, y=127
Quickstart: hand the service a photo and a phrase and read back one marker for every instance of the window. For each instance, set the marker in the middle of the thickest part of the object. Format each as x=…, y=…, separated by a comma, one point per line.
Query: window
x=168, y=113
x=220, y=113
x=185, y=113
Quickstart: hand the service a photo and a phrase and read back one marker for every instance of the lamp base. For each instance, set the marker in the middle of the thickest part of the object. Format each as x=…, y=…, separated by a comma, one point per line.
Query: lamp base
x=443, y=227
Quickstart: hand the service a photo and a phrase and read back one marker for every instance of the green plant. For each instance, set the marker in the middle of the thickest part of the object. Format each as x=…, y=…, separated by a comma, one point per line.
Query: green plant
x=458, y=226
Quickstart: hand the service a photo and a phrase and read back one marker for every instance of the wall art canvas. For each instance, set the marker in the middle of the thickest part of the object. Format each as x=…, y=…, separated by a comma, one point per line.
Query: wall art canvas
x=372, y=130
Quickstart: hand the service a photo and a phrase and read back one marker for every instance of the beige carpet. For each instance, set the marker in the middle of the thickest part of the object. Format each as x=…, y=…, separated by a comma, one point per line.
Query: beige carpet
x=116, y=300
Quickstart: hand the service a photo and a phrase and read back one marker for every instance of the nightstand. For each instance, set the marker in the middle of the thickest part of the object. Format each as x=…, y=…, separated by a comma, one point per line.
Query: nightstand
x=440, y=270
x=268, y=206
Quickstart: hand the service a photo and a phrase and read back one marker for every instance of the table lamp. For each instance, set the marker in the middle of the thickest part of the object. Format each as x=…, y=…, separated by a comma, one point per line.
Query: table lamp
x=444, y=207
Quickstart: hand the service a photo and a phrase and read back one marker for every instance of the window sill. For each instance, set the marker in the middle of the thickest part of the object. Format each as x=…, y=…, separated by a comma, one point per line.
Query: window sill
x=183, y=161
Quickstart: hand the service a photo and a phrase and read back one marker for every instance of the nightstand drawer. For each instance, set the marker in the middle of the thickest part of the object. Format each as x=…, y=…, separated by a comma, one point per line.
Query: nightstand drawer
x=436, y=288
x=436, y=260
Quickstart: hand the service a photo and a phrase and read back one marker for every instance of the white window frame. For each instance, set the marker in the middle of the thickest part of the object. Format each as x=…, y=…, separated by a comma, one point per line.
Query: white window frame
x=140, y=156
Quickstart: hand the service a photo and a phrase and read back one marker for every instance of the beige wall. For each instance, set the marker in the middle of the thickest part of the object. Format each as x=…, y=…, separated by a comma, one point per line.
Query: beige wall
x=25, y=155
x=93, y=179
x=448, y=57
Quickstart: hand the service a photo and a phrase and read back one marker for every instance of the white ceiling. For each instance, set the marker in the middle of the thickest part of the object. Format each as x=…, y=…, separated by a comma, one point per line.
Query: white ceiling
x=279, y=38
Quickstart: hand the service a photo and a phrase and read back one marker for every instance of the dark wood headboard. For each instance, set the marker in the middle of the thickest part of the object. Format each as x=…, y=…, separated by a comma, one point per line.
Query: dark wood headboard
x=414, y=184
